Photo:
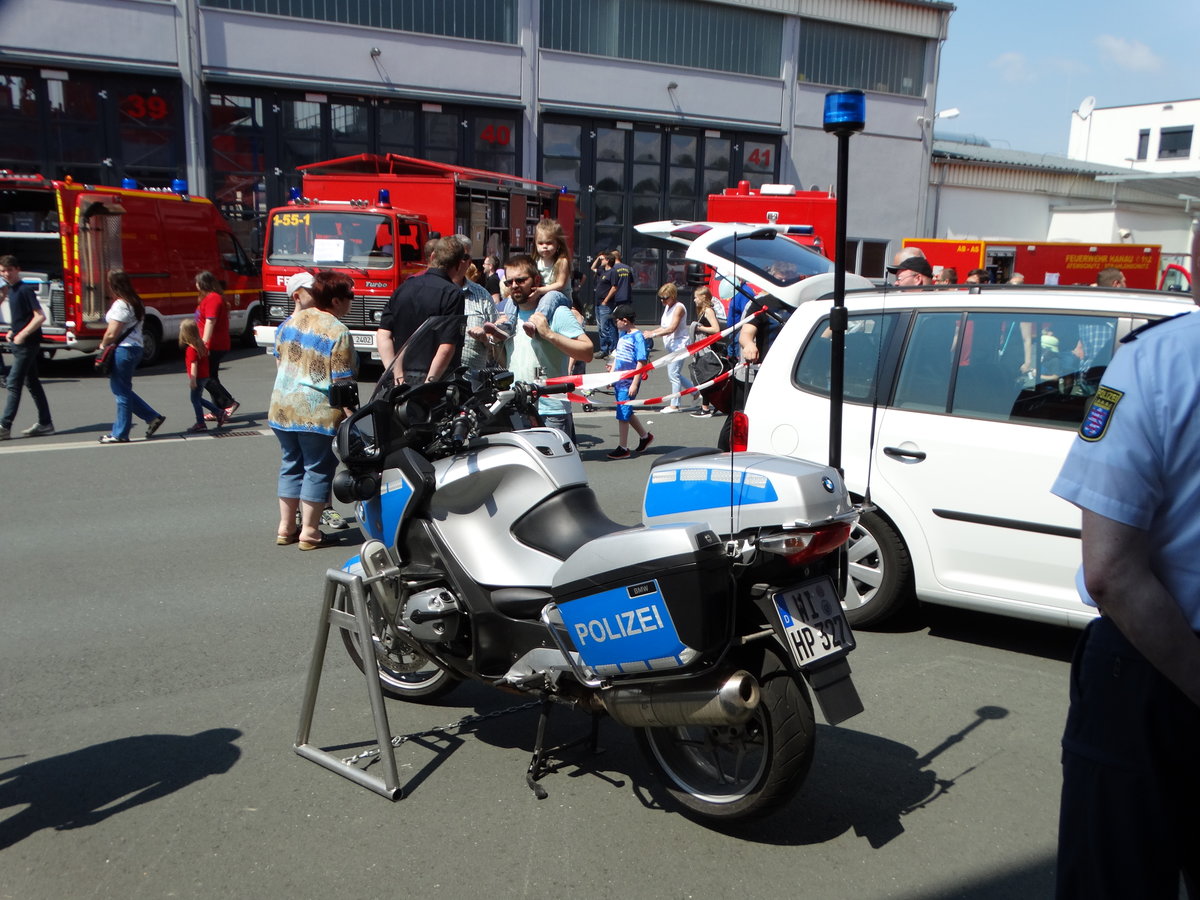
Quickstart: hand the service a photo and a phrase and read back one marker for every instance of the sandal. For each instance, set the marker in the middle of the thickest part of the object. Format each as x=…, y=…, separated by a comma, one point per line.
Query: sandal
x=283, y=540
x=311, y=545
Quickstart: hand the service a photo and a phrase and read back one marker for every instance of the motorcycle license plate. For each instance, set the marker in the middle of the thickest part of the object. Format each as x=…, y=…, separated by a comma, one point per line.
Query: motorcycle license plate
x=813, y=622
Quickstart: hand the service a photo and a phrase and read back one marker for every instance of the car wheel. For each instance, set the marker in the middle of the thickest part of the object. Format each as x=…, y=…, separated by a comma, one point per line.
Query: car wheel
x=256, y=316
x=881, y=576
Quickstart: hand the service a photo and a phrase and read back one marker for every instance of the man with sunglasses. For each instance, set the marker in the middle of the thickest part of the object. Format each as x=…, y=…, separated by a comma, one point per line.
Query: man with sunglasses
x=913, y=272
x=544, y=350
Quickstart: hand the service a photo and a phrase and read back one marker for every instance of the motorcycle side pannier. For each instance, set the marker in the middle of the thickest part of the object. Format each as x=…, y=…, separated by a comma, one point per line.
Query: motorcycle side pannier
x=646, y=599
x=741, y=491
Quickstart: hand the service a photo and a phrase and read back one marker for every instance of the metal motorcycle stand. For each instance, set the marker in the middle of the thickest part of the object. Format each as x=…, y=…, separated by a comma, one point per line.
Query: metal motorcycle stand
x=337, y=580
x=357, y=620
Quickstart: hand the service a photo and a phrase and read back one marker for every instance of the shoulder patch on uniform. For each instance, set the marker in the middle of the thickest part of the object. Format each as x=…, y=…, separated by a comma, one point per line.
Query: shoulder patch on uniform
x=1099, y=414
x=1133, y=335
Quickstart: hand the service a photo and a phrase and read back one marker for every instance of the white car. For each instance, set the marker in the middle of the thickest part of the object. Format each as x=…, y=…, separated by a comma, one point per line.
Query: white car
x=960, y=406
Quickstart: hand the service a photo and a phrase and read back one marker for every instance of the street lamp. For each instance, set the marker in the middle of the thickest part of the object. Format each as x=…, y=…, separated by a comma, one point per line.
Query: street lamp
x=845, y=115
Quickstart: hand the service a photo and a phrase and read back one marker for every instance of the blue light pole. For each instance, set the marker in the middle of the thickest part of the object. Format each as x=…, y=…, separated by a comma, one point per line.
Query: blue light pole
x=845, y=115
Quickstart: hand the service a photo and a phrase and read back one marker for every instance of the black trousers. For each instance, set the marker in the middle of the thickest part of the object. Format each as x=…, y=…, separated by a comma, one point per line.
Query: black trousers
x=216, y=390
x=1129, y=822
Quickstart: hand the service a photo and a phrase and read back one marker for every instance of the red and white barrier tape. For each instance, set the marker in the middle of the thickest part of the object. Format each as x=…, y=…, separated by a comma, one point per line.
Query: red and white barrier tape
x=593, y=381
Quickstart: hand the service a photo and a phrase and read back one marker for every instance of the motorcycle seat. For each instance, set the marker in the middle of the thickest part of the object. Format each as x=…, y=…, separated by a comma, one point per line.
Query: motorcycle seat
x=563, y=523
x=520, y=602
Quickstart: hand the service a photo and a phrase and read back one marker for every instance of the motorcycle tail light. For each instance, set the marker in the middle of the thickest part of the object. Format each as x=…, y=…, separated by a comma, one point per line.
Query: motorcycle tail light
x=739, y=431
x=805, y=546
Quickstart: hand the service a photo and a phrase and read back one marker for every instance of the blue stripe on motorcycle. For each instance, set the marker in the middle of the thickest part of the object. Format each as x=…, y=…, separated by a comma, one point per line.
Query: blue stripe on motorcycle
x=692, y=490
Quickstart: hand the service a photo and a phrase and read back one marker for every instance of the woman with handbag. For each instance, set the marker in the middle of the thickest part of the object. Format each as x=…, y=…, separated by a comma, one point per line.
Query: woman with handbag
x=313, y=351
x=121, y=349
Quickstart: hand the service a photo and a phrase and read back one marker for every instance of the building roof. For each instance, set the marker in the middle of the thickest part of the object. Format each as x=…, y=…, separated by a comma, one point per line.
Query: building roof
x=1176, y=185
x=972, y=152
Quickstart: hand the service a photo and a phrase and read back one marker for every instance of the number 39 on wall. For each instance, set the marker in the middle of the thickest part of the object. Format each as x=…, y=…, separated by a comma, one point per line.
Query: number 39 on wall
x=137, y=106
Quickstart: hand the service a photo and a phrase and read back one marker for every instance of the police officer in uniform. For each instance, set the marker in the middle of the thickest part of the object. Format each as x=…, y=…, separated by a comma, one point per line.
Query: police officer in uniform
x=1129, y=823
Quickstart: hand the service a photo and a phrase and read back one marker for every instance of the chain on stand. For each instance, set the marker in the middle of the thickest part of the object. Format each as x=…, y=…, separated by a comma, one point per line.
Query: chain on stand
x=399, y=739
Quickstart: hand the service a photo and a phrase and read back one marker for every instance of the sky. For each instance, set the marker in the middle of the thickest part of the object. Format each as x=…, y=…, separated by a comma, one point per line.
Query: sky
x=1016, y=69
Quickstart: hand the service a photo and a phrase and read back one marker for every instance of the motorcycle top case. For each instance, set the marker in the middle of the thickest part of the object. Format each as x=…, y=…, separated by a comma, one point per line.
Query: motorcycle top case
x=646, y=599
x=734, y=492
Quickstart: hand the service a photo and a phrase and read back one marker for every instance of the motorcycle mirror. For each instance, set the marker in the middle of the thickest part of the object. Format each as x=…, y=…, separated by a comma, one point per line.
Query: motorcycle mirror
x=355, y=444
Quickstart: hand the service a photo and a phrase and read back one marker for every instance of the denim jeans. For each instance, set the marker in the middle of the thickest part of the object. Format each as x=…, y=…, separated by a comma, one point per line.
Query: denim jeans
x=24, y=371
x=200, y=403
x=678, y=380
x=129, y=404
x=606, y=327
x=307, y=465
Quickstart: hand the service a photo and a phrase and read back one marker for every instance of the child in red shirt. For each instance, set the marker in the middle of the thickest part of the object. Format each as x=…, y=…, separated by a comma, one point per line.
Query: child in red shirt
x=197, y=370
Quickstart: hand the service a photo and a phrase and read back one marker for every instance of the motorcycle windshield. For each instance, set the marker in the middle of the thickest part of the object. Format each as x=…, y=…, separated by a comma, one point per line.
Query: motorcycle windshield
x=431, y=353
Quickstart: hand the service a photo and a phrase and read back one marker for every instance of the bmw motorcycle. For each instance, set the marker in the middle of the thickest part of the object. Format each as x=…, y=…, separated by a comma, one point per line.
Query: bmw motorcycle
x=707, y=628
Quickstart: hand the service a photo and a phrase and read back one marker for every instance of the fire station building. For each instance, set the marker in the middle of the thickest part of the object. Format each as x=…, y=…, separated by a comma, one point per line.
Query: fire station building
x=641, y=107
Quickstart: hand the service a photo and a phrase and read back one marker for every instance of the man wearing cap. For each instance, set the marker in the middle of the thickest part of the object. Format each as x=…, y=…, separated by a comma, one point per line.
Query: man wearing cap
x=913, y=272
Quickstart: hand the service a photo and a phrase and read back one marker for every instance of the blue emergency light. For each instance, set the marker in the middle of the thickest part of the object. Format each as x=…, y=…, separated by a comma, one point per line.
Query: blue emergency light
x=179, y=185
x=293, y=195
x=130, y=184
x=385, y=197
x=845, y=112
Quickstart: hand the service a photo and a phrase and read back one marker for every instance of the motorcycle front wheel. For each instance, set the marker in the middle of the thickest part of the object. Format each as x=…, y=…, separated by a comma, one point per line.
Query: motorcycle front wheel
x=403, y=673
x=739, y=772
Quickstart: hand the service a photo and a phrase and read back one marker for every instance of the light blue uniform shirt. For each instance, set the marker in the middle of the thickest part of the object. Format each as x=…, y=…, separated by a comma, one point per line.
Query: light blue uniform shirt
x=1137, y=458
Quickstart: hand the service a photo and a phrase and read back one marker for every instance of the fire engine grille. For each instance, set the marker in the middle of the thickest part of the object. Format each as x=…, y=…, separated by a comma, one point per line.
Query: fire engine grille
x=58, y=306
x=364, y=311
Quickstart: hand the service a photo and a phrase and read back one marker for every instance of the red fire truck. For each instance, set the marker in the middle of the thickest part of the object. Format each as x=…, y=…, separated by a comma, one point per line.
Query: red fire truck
x=67, y=236
x=782, y=204
x=1044, y=262
x=370, y=216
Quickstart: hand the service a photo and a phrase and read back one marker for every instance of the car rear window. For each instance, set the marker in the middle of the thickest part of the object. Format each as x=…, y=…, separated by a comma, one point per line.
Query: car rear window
x=867, y=336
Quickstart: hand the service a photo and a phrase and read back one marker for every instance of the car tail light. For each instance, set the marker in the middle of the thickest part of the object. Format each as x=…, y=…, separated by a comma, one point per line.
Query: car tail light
x=739, y=431
x=805, y=546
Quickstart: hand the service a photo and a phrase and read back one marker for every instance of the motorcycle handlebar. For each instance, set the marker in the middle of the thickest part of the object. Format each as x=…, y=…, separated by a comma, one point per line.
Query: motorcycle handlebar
x=555, y=388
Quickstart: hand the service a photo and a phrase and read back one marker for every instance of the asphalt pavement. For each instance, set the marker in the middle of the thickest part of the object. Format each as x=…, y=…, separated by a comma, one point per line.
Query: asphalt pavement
x=153, y=657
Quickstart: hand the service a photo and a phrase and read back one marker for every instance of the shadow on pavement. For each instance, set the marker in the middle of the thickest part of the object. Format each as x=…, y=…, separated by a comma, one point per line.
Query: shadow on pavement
x=89, y=785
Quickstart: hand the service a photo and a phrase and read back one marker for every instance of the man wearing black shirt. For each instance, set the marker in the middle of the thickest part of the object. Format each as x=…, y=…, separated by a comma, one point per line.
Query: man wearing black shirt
x=24, y=337
x=423, y=297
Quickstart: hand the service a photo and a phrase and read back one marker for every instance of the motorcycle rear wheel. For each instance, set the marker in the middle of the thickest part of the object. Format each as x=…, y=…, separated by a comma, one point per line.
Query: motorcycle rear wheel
x=727, y=773
x=403, y=674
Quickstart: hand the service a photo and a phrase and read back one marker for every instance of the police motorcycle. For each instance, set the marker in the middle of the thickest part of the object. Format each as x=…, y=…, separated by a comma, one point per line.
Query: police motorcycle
x=703, y=628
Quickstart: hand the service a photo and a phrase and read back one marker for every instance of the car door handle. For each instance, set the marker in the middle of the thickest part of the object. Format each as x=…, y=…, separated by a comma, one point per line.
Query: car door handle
x=897, y=453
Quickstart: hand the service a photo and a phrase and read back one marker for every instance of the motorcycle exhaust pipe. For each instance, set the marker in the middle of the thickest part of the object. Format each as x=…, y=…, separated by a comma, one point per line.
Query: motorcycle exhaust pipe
x=731, y=702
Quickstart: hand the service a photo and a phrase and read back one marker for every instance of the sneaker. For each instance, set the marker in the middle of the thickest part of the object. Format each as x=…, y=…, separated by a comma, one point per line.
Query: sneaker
x=667, y=410
x=644, y=443
x=198, y=428
x=232, y=408
x=5, y=433
x=109, y=439
x=333, y=519
x=38, y=430
x=703, y=413
x=619, y=453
